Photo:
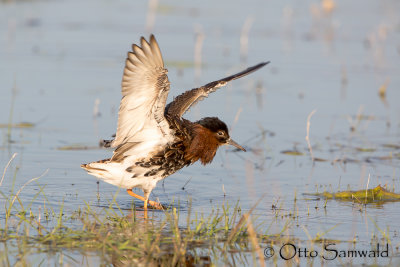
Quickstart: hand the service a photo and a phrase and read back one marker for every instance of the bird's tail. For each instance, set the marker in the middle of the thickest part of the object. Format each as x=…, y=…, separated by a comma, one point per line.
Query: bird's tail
x=109, y=172
x=97, y=168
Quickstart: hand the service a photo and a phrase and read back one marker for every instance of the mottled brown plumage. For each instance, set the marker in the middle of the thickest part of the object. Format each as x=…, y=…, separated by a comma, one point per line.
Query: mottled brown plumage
x=152, y=140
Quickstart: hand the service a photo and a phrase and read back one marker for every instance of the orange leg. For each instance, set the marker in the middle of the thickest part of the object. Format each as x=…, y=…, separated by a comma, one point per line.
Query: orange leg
x=154, y=204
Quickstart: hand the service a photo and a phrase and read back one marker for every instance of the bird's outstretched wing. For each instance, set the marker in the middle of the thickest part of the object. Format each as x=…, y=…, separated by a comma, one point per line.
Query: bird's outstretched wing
x=183, y=102
x=145, y=88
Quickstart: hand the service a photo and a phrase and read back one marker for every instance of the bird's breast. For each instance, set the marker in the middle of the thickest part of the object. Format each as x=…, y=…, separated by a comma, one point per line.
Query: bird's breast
x=202, y=146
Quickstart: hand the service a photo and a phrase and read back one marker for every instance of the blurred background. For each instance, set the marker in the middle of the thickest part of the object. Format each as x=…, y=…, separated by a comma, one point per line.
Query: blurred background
x=61, y=66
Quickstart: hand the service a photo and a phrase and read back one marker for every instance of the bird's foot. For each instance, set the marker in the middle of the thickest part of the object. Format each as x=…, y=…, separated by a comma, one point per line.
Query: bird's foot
x=156, y=205
x=153, y=204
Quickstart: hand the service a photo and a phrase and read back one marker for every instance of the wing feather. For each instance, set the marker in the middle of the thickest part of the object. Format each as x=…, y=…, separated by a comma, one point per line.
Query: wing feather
x=145, y=88
x=183, y=102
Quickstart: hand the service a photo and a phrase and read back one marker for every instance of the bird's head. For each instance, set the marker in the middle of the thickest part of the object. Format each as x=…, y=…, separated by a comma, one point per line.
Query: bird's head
x=220, y=131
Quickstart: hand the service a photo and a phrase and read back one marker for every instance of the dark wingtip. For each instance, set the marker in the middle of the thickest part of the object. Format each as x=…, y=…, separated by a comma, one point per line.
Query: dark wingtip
x=245, y=72
x=260, y=65
x=152, y=38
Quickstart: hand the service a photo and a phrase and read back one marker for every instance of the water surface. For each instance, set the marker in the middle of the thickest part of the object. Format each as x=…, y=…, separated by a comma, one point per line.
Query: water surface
x=60, y=57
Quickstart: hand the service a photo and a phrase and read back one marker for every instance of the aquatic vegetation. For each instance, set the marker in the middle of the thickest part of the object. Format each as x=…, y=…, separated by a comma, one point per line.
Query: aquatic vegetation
x=77, y=147
x=292, y=153
x=322, y=58
x=123, y=237
x=18, y=125
x=377, y=194
x=113, y=235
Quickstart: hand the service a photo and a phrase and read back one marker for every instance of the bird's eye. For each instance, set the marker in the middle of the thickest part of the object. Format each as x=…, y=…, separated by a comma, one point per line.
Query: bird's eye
x=220, y=133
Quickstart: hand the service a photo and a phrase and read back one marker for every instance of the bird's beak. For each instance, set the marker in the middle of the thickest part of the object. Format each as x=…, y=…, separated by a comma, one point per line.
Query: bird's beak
x=233, y=143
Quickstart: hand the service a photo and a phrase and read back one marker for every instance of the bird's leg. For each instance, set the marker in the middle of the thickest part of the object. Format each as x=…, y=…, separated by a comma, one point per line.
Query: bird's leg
x=154, y=204
x=129, y=191
x=146, y=198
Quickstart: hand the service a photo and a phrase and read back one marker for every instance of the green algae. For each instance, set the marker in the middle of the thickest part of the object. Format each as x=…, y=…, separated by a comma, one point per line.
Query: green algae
x=377, y=194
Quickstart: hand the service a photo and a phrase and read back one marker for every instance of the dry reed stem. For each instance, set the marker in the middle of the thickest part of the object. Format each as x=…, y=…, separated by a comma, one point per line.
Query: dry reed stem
x=5, y=169
x=96, y=110
x=236, y=119
x=308, y=133
x=151, y=15
x=244, y=38
x=254, y=240
x=242, y=220
x=237, y=115
x=366, y=190
x=30, y=181
x=198, y=47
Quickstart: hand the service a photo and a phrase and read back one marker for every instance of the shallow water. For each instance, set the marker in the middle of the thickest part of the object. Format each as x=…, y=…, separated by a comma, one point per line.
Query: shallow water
x=63, y=56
